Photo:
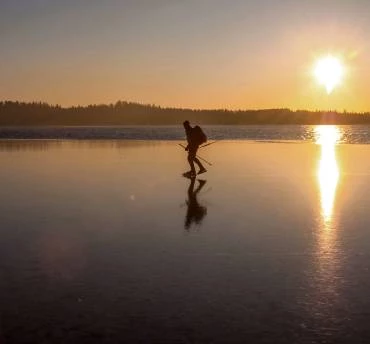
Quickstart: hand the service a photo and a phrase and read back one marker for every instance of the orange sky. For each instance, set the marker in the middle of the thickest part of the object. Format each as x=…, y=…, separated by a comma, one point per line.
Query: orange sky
x=199, y=54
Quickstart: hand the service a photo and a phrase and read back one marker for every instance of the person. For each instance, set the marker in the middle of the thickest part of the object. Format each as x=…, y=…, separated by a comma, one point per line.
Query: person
x=195, y=137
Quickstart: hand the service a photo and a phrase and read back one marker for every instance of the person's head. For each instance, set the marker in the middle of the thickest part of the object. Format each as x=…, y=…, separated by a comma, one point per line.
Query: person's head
x=186, y=124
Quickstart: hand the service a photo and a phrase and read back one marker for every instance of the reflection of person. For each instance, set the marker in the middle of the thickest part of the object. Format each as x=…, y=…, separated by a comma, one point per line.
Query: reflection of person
x=193, y=144
x=195, y=212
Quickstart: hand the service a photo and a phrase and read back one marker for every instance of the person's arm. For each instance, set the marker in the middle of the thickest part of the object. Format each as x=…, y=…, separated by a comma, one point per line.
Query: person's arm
x=187, y=139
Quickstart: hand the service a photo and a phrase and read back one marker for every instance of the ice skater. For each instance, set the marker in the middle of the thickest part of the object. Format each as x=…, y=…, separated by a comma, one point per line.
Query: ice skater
x=195, y=137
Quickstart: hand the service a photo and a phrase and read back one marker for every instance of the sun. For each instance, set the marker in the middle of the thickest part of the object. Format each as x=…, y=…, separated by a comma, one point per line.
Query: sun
x=329, y=72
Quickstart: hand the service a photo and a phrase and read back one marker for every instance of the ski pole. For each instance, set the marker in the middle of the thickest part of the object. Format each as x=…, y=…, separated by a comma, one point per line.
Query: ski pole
x=199, y=157
x=208, y=144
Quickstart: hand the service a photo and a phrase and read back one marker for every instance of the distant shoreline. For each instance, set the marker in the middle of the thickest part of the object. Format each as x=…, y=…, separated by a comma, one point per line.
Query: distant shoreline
x=37, y=114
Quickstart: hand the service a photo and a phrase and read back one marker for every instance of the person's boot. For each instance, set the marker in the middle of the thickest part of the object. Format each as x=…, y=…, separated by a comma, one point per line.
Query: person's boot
x=202, y=170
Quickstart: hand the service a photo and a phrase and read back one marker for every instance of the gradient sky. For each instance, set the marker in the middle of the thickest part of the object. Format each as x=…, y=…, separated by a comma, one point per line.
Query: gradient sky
x=184, y=53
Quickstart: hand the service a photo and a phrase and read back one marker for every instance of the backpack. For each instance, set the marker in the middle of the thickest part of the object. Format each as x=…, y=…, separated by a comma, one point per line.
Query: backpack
x=199, y=136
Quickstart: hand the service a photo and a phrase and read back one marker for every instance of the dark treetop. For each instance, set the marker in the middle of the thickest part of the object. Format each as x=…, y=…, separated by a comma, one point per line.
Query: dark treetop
x=14, y=113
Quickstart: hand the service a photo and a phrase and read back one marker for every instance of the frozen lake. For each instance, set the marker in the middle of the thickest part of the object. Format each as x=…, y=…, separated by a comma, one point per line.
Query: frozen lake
x=106, y=242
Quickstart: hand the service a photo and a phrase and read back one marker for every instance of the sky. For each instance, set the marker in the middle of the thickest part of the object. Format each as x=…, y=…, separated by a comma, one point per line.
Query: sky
x=233, y=54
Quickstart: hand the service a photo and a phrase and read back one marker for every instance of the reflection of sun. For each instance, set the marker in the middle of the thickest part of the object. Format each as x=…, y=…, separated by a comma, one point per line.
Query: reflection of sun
x=328, y=171
x=329, y=72
x=326, y=273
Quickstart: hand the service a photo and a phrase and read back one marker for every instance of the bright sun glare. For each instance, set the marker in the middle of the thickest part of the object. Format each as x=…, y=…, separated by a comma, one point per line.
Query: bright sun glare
x=329, y=72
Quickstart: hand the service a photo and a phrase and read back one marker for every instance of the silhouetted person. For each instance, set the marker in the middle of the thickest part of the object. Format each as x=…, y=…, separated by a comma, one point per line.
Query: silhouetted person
x=195, y=137
x=195, y=212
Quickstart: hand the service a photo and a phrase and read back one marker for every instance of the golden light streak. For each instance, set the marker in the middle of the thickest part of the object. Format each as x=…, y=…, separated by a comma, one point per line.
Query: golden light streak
x=328, y=171
x=325, y=276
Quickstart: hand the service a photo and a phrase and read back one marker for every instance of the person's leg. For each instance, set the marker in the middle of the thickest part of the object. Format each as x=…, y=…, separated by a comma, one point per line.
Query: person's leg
x=191, y=159
x=197, y=161
x=201, y=167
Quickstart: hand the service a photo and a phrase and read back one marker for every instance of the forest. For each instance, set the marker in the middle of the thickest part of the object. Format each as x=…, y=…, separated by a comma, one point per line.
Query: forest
x=15, y=113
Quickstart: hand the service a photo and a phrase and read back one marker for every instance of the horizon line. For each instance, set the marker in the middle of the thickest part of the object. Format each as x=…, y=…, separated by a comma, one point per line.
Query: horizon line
x=164, y=107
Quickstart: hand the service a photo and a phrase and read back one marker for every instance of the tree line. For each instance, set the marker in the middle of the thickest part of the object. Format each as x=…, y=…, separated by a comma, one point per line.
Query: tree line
x=15, y=113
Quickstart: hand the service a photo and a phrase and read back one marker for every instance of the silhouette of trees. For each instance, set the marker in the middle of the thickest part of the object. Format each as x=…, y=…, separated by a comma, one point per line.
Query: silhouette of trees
x=15, y=113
